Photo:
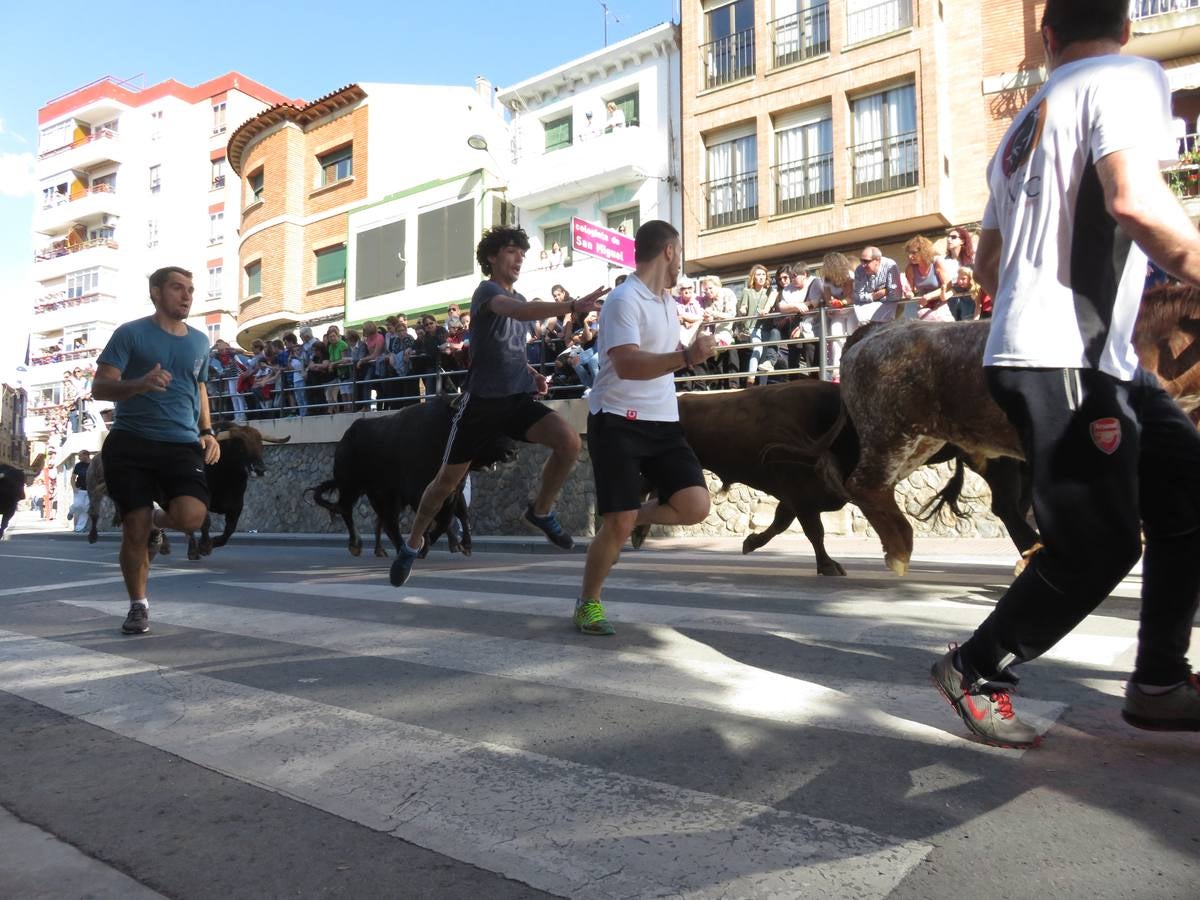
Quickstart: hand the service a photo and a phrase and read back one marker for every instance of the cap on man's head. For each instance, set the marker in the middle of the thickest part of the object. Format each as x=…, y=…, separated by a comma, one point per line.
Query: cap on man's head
x=684, y=283
x=588, y=113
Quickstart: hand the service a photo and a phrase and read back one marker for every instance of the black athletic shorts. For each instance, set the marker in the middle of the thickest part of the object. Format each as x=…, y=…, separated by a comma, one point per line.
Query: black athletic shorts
x=479, y=420
x=624, y=450
x=139, y=472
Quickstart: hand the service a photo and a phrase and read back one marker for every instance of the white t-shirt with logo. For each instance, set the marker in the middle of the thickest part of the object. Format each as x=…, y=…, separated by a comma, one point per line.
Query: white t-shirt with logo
x=632, y=314
x=1070, y=278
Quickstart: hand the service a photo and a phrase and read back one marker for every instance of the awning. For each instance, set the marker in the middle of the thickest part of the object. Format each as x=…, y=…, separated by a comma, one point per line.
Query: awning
x=1183, y=73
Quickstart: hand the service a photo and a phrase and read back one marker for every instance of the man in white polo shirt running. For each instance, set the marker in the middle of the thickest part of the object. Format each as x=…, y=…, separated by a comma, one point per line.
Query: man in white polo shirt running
x=633, y=426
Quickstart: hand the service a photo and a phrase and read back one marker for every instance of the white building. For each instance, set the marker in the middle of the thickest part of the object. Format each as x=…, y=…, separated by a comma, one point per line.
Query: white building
x=571, y=158
x=132, y=179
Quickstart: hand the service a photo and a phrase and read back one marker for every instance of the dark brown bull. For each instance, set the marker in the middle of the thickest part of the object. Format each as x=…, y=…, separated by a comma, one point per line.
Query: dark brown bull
x=241, y=456
x=912, y=387
x=12, y=492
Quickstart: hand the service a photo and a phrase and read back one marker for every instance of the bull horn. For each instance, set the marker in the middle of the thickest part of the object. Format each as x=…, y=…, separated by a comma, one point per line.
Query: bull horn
x=274, y=440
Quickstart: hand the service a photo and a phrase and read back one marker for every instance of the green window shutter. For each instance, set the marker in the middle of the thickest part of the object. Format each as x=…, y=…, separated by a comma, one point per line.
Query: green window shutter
x=253, y=279
x=558, y=133
x=629, y=106
x=331, y=264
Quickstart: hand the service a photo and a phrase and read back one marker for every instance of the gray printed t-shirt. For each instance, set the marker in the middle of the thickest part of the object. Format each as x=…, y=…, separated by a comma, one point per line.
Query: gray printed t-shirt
x=499, y=366
x=171, y=415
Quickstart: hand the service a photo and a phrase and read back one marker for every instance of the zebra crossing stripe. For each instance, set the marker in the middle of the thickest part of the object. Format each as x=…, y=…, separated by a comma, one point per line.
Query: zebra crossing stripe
x=560, y=826
x=681, y=671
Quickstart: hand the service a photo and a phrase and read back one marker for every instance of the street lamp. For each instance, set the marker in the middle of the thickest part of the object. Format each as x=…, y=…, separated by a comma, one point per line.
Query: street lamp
x=477, y=142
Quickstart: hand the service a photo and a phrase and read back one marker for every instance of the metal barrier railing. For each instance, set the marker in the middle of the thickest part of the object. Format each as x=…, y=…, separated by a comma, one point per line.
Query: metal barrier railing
x=447, y=381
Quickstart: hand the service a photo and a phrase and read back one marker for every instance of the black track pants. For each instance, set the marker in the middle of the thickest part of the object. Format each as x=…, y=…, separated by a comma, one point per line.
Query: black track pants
x=1107, y=457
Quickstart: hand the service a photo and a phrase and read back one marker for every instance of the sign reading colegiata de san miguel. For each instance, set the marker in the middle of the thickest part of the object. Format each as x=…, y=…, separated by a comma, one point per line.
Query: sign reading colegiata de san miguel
x=602, y=243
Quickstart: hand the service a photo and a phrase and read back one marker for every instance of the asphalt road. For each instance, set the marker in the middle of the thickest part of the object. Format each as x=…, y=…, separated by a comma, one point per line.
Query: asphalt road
x=295, y=727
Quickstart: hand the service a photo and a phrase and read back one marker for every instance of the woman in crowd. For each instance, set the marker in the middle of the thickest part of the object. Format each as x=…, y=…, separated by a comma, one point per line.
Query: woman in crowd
x=960, y=251
x=928, y=284
x=616, y=117
x=372, y=341
x=798, y=320
x=690, y=314
x=556, y=256
x=720, y=307
x=755, y=300
x=837, y=295
x=337, y=389
x=963, y=302
x=318, y=375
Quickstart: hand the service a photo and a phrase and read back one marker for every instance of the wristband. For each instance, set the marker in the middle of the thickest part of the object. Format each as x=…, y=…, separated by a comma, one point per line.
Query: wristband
x=207, y=431
x=687, y=358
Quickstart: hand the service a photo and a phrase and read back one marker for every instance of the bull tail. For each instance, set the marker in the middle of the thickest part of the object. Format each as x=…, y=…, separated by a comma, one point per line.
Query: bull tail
x=947, y=496
x=318, y=494
x=809, y=452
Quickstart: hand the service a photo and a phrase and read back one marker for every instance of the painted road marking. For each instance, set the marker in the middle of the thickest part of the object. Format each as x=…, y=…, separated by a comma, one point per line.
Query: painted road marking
x=680, y=671
x=108, y=579
x=524, y=815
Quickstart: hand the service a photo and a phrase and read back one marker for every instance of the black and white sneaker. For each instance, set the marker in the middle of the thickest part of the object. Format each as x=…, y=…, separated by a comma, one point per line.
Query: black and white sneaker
x=403, y=563
x=138, y=619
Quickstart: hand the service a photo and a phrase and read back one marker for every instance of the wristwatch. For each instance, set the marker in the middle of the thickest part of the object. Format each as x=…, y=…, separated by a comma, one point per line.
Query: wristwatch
x=208, y=431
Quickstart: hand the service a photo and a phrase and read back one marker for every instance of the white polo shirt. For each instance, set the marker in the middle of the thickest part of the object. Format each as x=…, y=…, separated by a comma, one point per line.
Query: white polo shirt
x=632, y=314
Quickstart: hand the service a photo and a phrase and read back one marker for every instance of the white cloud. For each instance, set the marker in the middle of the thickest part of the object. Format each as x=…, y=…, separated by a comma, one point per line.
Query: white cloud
x=17, y=175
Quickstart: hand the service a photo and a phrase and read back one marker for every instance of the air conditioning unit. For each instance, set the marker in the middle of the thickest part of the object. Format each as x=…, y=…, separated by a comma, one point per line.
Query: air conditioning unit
x=109, y=219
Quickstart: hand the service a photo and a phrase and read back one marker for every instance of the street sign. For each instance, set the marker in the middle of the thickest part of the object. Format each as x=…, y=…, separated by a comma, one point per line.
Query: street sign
x=602, y=243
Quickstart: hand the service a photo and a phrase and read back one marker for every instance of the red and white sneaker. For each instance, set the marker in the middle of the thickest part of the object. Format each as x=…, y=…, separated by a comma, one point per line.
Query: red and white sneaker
x=986, y=709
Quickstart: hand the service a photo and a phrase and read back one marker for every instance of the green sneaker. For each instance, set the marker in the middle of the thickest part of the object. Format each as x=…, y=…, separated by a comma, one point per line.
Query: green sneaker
x=589, y=618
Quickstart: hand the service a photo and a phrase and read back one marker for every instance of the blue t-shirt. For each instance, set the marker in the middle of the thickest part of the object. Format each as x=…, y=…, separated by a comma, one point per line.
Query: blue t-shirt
x=499, y=367
x=170, y=415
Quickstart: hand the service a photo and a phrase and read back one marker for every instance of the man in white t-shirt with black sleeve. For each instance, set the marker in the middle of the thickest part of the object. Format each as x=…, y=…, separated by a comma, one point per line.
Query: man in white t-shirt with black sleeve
x=1077, y=201
x=633, y=426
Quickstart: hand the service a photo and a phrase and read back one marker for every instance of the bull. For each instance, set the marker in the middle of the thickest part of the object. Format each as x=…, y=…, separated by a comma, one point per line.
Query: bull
x=241, y=456
x=391, y=459
x=911, y=388
x=12, y=492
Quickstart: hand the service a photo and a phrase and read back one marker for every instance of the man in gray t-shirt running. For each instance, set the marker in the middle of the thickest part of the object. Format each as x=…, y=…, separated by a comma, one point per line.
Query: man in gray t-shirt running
x=499, y=393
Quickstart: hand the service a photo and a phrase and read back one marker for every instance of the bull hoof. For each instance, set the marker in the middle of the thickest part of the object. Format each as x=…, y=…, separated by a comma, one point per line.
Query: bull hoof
x=193, y=555
x=754, y=541
x=379, y=551
x=206, y=547
x=833, y=567
x=1025, y=558
x=164, y=548
x=355, y=549
x=896, y=564
x=92, y=538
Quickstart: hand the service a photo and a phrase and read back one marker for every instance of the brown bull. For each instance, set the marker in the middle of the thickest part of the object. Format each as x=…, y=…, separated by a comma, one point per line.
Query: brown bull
x=912, y=387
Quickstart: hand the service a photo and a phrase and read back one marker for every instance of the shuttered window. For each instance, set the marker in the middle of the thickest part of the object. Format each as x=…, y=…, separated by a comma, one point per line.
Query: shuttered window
x=558, y=133
x=337, y=165
x=331, y=264
x=446, y=242
x=253, y=279
x=379, y=260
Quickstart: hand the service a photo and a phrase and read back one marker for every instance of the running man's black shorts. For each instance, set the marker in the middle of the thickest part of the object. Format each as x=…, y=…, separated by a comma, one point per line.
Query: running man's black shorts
x=480, y=420
x=624, y=451
x=139, y=472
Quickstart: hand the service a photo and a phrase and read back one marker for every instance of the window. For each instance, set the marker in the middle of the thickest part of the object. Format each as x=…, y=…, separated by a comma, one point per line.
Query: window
x=216, y=227
x=336, y=166
x=218, y=118
x=218, y=173
x=379, y=261
x=630, y=218
x=55, y=195
x=255, y=183
x=800, y=31
x=214, y=332
x=884, y=156
x=731, y=192
x=803, y=171
x=331, y=264
x=105, y=184
x=214, y=281
x=82, y=283
x=561, y=235
x=56, y=137
x=446, y=242
x=628, y=104
x=253, y=279
x=46, y=395
x=867, y=19
x=729, y=54
x=103, y=233
x=156, y=121
x=155, y=179
x=558, y=133
x=152, y=233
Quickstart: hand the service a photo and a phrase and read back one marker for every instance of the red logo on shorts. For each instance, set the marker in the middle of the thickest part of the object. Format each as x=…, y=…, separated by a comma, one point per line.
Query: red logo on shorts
x=631, y=414
x=1106, y=435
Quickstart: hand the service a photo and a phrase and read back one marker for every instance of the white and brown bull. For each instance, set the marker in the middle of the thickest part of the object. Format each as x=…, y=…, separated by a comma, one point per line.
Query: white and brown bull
x=911, y=387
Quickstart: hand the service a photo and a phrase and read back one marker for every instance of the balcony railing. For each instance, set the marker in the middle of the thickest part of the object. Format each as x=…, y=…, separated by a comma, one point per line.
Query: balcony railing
x=885, y=165
x=1148, y=9
x=50, y=359
x=728, y=59
x=804, y=184
x=218, y=182
x=62, y=199
x=62, y=248
x=731, y=201
x=800, y=36
x=878, y=20
x=98, y=135
x=60, y=300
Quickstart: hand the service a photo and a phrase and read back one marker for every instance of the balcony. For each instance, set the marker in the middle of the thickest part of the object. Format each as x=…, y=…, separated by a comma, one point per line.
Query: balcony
x=218, y=183
x=731, y=201
x=877, y=21
x=1165, y=29
x=61, y=257
x=55, y=311
x=804, y=184
x=102, y=145
x=728, y=59
x=1184, y=178
x=61, y=357
x=800, y=36
x=87, y=206
x=890, y=164
x=590, y=164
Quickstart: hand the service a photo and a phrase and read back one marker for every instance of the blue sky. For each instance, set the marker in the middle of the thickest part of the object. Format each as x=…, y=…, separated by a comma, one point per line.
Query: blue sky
x=302, y=49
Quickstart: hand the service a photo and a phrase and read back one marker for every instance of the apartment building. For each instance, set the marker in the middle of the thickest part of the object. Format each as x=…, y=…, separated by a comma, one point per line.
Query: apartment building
x=340, y=195
x=831, y=124
x=570, y=158
x=14, y=449
x=132, y=178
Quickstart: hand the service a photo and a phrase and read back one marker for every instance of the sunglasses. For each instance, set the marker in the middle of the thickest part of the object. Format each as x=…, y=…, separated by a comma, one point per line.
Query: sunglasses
x=867, y=259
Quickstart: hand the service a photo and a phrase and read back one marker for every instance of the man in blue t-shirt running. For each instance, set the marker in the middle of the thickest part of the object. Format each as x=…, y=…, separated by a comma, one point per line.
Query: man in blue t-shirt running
x=155, y=369
x=498, y=396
